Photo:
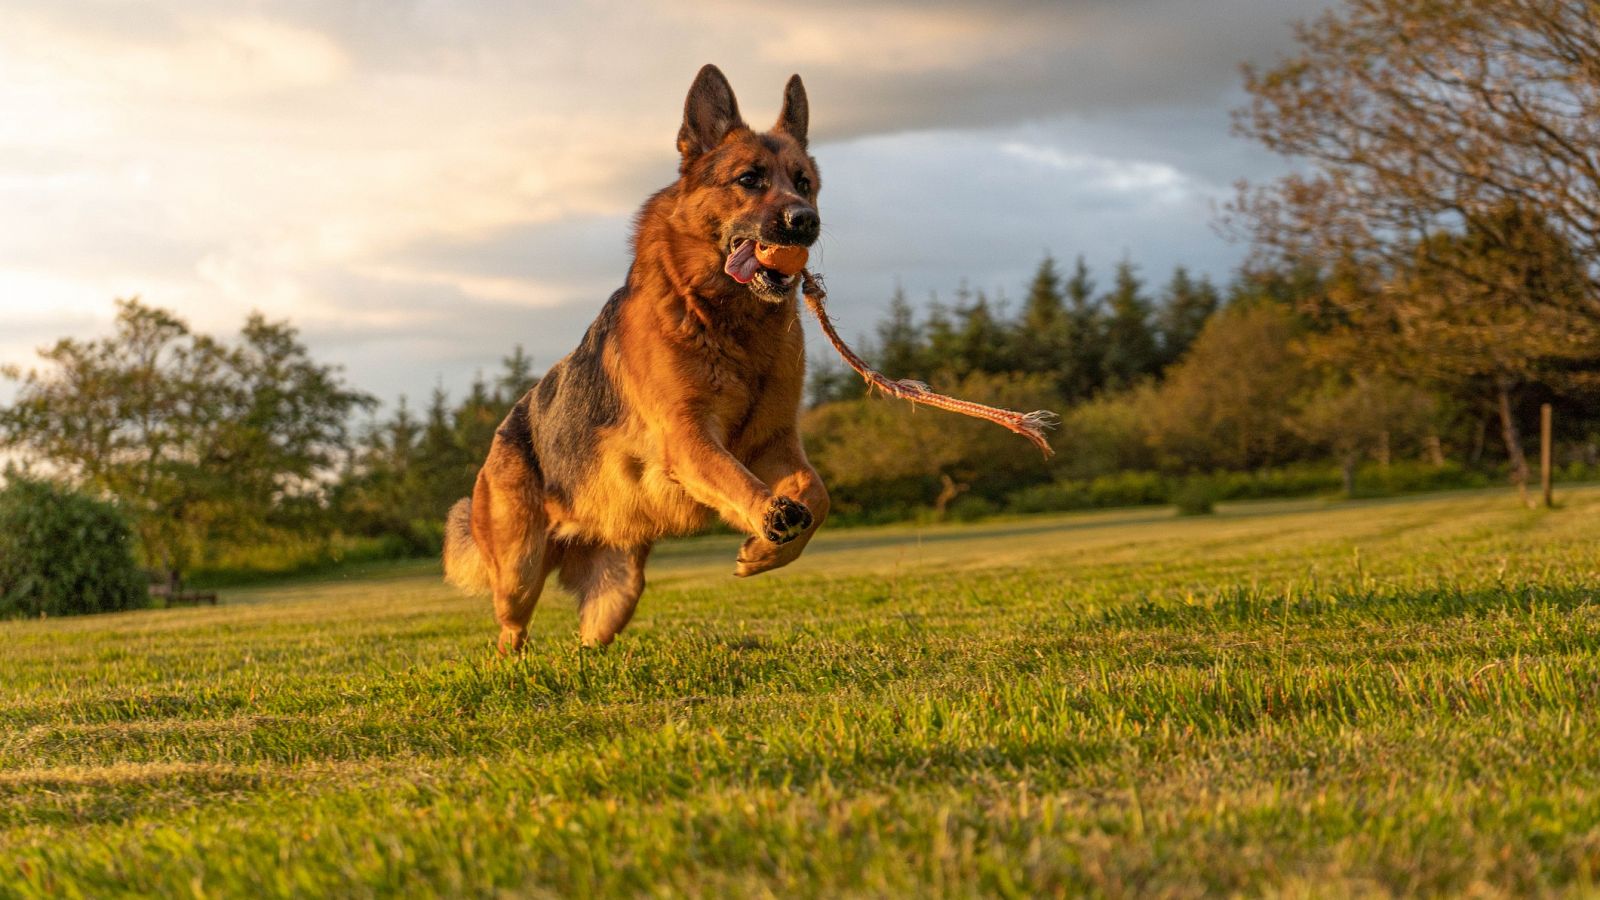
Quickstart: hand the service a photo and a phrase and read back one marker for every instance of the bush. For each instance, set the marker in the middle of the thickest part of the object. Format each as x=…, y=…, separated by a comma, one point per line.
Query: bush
x=1059, y=496
x=1578, y=470
x=970, y=509
x=62, y=553
x=1196, y=497
x=1416, y=477
x=1128, y=489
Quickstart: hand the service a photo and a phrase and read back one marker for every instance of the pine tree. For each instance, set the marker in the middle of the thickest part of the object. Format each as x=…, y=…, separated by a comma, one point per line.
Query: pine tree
x=516, y=377
x=1045, y=308
x=830, y=381
x=1081, y=371
x=1130, y=346
x=447, y=470
x=400, y=437
x=900, y=341
x=942, y=343
x=1044, y=331
x=477, y=418
x=1186, y=304
x=980, y=338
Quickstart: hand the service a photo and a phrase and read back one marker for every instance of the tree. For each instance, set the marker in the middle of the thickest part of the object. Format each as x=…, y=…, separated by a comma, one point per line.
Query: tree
x=390, y=491
x=981, y=340
x=900, y=341
x=1045, y=308
x=200, y=442
x=875, y=452
x=1494, y=310
x=941, y=341
x=445, y=469
x=1082, y=370
x=1227, y=404
x=1445, y=148
x=828, y=380
x=1353, y=415
x=1130, y=346
x=1044, y=332
x=1186, y=304
x=1412, y=117
x=516, y=376
x=477, y=418
x=285, y=425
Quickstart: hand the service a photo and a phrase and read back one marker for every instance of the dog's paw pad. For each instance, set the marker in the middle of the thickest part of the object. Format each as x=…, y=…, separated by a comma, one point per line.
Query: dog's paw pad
x=786, y=520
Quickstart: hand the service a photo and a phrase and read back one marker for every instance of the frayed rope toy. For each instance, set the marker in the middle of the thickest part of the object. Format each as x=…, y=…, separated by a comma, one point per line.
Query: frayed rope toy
x=1030, y=425
x=749, y=256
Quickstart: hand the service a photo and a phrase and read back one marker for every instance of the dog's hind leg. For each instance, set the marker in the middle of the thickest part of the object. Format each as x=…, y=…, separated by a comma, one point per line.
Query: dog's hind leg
x=607, y=582
x=510, y=528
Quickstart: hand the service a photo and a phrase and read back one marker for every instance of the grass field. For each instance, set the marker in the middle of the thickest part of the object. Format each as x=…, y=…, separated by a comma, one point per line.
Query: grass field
x=1385, y=697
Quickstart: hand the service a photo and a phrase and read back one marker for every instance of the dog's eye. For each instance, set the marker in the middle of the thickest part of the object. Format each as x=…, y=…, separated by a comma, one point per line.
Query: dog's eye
x=750, y=179
x=803, y=185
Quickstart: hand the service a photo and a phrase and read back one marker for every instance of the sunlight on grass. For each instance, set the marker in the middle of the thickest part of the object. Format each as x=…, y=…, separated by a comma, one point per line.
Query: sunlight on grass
x=1395, y=696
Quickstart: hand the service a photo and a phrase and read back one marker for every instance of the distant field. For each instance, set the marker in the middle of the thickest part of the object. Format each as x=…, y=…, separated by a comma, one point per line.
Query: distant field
x=1384, y=697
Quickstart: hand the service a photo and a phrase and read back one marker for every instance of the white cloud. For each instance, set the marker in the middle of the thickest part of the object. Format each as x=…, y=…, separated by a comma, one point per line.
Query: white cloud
x=1141, y=180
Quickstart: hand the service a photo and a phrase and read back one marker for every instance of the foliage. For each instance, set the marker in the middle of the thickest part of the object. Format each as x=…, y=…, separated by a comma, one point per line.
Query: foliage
x=1129, y=351
x=1186, y=305
x=1447, y=173
x=1145, y=488
x=1489, y=312
x=406, y=473
x=1108, y=434
x=1225, y=405
x=1414, y=117
x=1195, y=496
x=875, y=451
x=200, y=441
x=1351, y=416
x=62, y=553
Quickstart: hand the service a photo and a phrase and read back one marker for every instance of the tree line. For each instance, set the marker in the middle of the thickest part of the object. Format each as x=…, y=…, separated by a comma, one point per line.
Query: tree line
x=1081, y=341
x=1252, y=377
x=210, y=447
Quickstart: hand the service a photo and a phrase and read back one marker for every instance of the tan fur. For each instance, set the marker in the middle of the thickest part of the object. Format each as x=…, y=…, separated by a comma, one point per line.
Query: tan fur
x=463, y=565
x=708, y=379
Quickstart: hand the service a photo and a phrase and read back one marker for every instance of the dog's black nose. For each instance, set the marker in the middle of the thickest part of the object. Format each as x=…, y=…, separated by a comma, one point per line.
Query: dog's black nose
x=802, y=221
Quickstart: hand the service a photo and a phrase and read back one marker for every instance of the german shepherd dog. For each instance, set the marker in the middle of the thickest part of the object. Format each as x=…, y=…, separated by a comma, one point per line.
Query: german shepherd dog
x=682, y=400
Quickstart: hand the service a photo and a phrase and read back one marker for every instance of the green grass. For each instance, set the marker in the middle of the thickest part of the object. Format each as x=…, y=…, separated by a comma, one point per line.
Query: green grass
x=1368, y=698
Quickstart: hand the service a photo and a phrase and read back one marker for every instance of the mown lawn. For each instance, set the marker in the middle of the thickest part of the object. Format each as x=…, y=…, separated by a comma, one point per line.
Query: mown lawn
x=1388, y=697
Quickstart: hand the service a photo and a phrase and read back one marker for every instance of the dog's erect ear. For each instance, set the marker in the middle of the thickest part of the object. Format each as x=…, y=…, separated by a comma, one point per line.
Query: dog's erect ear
x=796, y=115
x=708, y=114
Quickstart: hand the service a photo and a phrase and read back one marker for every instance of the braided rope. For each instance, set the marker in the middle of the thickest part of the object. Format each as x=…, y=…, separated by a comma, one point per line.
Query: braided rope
x=1030, y=425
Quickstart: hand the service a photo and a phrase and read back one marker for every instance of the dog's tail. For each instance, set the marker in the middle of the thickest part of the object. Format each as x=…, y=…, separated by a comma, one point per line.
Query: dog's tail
x=463, y=564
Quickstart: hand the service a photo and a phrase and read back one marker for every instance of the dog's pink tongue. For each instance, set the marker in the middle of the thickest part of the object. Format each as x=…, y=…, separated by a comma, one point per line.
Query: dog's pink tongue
x=742, y=264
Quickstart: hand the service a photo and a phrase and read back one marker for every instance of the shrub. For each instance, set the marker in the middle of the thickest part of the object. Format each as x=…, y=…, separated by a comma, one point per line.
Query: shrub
x=62, y=553
x=1128, y=489
x=1196, y=497
x=970, y=509
x=1059, y=496
x=1416, y=477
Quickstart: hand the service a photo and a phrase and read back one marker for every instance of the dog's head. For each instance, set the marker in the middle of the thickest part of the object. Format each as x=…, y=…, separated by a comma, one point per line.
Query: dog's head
x=740, y=187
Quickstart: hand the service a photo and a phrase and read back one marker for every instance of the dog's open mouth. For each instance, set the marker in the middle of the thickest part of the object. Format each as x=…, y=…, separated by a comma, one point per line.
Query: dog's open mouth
x=743, y=266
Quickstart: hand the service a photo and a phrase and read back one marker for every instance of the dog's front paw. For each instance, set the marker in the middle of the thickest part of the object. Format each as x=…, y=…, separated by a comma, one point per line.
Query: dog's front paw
x=786, y=520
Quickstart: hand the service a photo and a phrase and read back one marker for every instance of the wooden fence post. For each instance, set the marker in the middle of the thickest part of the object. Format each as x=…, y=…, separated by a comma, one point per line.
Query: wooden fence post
x=1545, y=454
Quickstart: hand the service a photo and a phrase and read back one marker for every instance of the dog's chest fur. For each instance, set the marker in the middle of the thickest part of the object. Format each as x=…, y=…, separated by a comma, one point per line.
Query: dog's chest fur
x=736, y=360
x=741, y=356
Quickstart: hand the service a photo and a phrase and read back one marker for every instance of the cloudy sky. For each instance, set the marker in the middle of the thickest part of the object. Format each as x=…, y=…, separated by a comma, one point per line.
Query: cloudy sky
x=420, y=185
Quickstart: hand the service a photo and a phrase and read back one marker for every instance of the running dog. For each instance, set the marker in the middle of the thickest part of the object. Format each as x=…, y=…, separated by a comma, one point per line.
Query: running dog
x=682, y=399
